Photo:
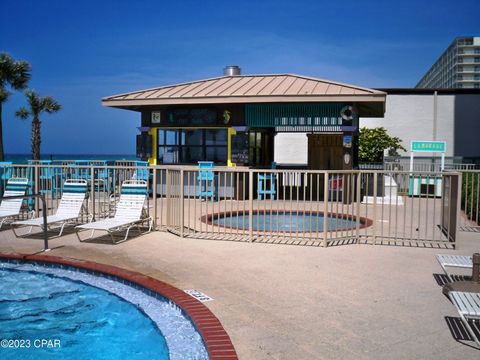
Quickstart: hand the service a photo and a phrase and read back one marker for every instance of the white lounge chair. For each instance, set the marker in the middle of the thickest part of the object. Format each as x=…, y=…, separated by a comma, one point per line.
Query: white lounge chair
x=129, y=211
x=458, y=261
x=68, y=211
x=10, y=208
x=468, y=307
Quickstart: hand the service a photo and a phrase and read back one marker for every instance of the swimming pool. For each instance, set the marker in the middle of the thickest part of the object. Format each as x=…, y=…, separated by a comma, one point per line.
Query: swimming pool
x=285, y=221
x=85, y=316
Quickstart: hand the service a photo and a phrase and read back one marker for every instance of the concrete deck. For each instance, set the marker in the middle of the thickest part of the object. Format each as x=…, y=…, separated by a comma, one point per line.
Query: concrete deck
x=298, y=302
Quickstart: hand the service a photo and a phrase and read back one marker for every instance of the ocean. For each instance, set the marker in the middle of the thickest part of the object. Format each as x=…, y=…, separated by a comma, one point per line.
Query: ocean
x=23, y=158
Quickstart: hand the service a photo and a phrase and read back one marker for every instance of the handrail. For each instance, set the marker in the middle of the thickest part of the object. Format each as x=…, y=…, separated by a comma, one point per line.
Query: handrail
x=44, y=212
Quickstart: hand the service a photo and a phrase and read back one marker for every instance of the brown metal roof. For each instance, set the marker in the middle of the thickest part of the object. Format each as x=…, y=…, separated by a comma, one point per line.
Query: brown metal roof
x=247, y=89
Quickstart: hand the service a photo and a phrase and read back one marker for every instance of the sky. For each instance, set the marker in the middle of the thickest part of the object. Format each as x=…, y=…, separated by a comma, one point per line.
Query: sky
x=81, y=51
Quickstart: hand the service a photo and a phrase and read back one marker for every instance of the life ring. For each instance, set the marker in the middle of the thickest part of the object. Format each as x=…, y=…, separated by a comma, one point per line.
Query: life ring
x=348, y=112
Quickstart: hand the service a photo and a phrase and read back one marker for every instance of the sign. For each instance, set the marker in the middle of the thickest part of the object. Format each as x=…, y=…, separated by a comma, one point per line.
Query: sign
x=156, y=117
x=240, y=149
x=347, y=141
x=428, y=146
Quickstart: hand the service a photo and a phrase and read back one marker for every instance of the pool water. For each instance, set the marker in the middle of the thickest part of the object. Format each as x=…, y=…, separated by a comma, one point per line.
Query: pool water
x=285, y=221
x=89, y=322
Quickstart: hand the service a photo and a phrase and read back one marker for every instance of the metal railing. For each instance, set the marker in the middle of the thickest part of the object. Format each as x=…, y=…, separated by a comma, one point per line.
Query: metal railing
x=313, y=207
x=307, y=207
x=470, y=201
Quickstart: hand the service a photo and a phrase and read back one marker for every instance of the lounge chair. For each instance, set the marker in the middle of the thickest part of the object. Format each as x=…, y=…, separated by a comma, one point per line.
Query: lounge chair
x=458, y=261
x=68, y=211
x=129, y=212
x=468, y=307
x=9, y=209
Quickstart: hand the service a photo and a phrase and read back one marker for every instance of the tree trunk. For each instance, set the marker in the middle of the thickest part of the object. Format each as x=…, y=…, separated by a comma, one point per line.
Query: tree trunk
x=2, y=156
x=36, y=139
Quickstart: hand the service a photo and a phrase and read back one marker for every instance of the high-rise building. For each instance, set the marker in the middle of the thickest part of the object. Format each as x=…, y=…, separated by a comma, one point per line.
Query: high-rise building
x=457, y=67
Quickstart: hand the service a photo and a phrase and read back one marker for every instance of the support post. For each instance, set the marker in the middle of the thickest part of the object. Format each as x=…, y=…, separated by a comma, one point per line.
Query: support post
x=45, y=234
x=250, y=205
x=154, y=195
x=36, y=188
x=375, y=180
x=181, y=199
x=325, y=210
x=92, y=191
x=359, y=194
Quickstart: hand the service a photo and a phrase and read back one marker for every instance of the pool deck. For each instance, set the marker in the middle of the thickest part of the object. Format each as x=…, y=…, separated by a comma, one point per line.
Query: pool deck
x=353, y=301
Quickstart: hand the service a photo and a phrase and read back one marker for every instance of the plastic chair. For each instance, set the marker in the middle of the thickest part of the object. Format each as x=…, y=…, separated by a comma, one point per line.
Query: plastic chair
x=47, y=176
x=262, y=180
x=205, y=179
x=141, y=172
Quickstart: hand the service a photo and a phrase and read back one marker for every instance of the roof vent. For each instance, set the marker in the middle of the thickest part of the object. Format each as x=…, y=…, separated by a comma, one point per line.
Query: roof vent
x=231, y=70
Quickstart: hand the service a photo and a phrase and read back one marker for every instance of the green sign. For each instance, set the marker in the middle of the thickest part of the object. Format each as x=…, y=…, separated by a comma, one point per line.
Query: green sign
x=429, y=146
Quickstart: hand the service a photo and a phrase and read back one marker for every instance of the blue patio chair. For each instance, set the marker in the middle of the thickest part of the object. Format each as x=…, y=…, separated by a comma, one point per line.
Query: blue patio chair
x=81, y=170
x=5, y=172
x=266, y=183
x=100, y=173
x=206, y=180
x=47, y=176
x=141, y=172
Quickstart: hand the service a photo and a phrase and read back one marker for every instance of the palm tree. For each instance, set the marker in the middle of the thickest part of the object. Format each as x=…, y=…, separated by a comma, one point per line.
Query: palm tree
x=13, y=74
x=37, y=105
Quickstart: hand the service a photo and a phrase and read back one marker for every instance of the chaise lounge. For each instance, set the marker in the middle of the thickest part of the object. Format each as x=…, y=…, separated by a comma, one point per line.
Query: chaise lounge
x=68, y=211
x=458, y=261
x=10, y=208
x=129, y=212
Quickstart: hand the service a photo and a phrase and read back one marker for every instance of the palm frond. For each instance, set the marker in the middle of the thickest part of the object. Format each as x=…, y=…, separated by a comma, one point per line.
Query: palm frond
x=14, y=73
x=22, y=113
x=50, y=104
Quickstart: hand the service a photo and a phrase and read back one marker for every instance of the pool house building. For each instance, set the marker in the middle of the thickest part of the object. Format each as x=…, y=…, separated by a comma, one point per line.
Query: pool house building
x=243, y=120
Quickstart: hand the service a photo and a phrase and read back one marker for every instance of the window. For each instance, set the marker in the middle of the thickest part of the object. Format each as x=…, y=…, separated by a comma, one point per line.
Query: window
x=190, y=146
x=476, y=86
x=477, y=59
x=477, y=51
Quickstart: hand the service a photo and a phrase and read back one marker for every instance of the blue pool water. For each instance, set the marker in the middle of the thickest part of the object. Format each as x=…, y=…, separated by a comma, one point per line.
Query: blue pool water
x=285, y=221
x=89, y=322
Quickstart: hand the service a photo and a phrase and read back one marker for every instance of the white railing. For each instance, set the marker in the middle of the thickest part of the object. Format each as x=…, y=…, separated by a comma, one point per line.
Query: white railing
x=313, y=207
x=273, y=206
x=470, y=199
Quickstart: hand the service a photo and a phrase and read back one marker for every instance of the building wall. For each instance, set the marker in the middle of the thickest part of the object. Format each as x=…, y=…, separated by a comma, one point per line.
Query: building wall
x=411, y=117
x=467, y=125
x=291, y=148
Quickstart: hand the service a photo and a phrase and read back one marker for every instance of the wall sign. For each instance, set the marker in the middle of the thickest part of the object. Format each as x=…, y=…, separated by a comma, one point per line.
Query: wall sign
x=156, y=117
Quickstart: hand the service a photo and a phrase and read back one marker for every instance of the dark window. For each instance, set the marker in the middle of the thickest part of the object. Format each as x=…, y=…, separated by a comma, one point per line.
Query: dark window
x=190, y=146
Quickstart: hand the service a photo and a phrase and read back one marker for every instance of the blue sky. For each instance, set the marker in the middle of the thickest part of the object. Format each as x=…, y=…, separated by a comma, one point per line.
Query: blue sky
x=84, y=50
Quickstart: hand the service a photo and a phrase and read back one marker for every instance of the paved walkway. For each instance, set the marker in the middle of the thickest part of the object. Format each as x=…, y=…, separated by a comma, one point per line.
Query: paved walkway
x=298, y=302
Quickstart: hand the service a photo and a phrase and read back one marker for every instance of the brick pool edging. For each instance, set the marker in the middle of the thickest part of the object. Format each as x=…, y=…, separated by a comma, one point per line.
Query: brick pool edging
x=216, y=340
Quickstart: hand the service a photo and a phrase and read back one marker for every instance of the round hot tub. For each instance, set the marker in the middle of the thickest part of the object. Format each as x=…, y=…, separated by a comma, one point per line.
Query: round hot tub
x=286, y=221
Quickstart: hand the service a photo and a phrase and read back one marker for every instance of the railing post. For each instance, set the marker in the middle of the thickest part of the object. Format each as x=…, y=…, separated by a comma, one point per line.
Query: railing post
x=325, y=210
x=167, y=194
x=92, y=190
x=375, y=178
x=459, y=204
x=154, y=195
x=181, y=200
x=45, y=234
x=357, y=215
x=250, y=205
x=36, y=188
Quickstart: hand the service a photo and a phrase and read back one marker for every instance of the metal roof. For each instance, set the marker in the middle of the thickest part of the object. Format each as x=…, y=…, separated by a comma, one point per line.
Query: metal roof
x=248, y=89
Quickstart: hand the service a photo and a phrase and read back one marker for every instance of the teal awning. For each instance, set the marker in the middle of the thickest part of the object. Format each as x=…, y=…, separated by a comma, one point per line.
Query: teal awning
x=323, y=117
